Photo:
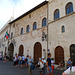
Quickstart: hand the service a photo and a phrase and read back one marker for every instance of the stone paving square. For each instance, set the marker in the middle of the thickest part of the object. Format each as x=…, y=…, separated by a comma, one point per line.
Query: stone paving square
x=8, y=69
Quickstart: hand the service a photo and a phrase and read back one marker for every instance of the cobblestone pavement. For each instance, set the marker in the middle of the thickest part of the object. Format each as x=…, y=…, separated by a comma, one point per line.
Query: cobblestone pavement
x=8, y=69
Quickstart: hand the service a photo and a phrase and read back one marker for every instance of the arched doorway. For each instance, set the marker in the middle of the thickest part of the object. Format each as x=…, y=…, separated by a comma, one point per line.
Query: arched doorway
x=11, y=51
x=37, y=51
x=21, y=49
x=59, y=54
x=72, y=51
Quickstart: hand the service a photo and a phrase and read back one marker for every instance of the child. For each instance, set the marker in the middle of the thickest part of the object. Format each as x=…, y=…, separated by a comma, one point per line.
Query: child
x=52, y=64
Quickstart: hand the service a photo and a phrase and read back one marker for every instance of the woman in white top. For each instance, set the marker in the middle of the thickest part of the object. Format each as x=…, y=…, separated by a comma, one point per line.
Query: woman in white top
x=15, y=60
x=41, y=65
x=70, y=70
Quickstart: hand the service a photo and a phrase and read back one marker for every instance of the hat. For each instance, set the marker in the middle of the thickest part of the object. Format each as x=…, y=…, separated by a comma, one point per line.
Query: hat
x=43, y=57
x=40, y=59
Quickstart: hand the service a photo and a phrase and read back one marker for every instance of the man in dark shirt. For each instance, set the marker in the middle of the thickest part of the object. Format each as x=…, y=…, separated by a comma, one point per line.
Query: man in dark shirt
x=49, y=69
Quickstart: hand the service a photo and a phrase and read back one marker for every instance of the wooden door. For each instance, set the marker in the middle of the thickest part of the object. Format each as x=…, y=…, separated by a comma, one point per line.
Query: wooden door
x=59, y=54
x=21, y=50
x=11, y=51
x=37, y=51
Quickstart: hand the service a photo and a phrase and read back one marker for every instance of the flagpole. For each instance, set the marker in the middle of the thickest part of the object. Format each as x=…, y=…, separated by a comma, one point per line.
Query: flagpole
x=13, y=10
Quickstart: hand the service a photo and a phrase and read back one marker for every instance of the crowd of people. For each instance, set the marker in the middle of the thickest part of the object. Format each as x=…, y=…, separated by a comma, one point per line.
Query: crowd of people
x=42, y=64
x=22, y=61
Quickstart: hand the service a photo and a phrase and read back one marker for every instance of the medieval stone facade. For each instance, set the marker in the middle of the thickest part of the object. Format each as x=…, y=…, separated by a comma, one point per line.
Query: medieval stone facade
x=48, y=27
x=26, y=33
x=61, y=37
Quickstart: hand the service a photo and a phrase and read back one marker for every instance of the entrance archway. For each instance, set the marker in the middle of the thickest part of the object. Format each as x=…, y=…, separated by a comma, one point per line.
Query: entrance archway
x=72, y=51
x=59, y=54
x=11, y=51
x=21, y=49
x=37, y=51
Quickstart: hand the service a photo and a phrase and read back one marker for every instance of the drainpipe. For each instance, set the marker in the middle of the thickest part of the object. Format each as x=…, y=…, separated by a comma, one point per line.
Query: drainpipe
x=47, y=32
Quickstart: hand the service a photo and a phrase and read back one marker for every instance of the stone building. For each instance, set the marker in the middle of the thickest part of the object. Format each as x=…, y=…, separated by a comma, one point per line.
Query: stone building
x=61, y=28
x=28, y=34
x=3, y=40
x=48, y=27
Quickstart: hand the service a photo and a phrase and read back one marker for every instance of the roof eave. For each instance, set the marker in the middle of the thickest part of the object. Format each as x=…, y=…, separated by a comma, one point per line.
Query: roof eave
x=33, y=9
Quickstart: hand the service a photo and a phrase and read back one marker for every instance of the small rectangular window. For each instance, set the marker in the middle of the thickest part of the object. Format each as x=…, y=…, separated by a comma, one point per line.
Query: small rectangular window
x=13, y=25
x=63, y=29
x=30, y=16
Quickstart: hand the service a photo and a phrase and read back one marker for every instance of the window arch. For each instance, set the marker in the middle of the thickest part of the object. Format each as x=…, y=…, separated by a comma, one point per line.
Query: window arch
x=44, y=22
x=63, y=29
x=56, y=14
x=69, y=8
x=21, y=30
x=34, y=25
x=27, y=29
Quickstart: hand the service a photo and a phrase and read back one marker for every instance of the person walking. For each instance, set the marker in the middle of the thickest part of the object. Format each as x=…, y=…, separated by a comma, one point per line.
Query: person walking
x=5, y=59
x=49, y=69
x=23, y=61
x=40, y=65
x=44, y=65
x=19, y=61
x=30, y=62
x=15, y=60
x=69, y=63
x=70, y=70
x=52, y=64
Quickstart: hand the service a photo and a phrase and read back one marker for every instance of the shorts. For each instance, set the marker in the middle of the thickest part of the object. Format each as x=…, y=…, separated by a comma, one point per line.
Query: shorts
x=19, y=62
x=40, y=70
x=23, y=62
x=50, y=70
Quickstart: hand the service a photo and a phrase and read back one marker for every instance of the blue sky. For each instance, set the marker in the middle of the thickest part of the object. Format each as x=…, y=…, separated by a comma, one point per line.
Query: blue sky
x=18, y=7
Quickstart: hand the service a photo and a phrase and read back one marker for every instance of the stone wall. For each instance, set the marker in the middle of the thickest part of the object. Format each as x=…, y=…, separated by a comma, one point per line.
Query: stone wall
x=57, y=38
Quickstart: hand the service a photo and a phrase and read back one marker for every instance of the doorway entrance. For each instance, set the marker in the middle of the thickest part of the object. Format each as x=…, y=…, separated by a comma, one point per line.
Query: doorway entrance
x=59, y=54
x=37, y=51
x=11, y=51
x=72, y=51
x=21, y=49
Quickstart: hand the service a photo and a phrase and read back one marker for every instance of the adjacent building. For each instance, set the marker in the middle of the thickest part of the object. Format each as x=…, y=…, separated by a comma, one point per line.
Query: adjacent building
x=61, y=28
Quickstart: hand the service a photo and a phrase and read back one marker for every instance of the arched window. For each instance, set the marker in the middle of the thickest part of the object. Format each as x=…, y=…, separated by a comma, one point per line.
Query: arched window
x=44, y=22
x=27, y=29
x=63, y=29
x=34, y=25
x=56, y=14
x=21, y=30
x=69, y=8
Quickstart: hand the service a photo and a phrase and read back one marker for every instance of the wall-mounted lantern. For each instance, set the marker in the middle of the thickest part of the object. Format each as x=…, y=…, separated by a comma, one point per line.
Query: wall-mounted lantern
x=44, y=36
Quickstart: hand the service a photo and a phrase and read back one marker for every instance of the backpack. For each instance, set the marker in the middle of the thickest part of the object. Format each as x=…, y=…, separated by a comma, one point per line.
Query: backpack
x=71, y=73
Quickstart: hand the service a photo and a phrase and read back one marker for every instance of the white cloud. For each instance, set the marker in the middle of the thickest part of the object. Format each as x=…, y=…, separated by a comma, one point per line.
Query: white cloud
x=21, y=6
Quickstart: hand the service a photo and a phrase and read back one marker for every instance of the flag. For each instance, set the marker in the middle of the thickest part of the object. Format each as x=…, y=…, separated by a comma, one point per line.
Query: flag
x=6, y=35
